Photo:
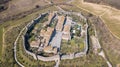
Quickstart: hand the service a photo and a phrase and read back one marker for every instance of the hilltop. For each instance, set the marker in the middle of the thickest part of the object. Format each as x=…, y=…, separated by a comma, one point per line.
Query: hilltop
x=64, y=33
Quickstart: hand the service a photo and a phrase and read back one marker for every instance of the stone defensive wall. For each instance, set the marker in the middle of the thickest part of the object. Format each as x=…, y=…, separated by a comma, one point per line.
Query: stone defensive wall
x=55, y=57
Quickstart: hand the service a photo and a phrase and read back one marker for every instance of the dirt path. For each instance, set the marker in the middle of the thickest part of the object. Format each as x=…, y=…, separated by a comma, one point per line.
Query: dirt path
x=3, y=44
x=57, y=63
x=15, y=44
x=96, y=46
x=103, y=55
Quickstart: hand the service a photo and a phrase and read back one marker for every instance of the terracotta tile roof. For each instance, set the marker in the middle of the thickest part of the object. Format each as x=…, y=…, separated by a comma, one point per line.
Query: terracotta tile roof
x=59, y=25
x=50, y=49
x=46, y=34
x=51, y=16
x=61, y=19
x=66, y=36
x=50, y=29
x=35, y=43
x=66, y=28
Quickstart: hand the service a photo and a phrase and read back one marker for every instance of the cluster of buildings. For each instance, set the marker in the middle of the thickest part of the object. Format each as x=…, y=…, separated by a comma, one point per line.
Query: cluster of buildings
x=51, y=37
x=64, y=25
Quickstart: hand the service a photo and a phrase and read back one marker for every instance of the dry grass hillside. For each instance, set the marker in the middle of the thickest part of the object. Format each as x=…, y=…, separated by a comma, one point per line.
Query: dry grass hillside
x=113, y=3
x=109, y=43
x=16, y=8
x=58, y=1
x=19, y=6
x=3, y=5
x=109, y=15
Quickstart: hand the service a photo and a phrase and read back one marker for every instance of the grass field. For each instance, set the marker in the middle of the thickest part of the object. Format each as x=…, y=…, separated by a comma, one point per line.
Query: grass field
x=113, y=22
x=109, y=15
x=86, y=61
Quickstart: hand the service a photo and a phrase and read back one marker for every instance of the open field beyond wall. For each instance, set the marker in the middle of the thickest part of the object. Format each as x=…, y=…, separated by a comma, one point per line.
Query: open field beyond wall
x=109, y=15
x=19, y=6
x=113, y=3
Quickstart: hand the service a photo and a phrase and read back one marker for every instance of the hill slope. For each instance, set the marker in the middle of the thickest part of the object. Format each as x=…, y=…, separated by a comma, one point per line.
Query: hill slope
x=113, y=3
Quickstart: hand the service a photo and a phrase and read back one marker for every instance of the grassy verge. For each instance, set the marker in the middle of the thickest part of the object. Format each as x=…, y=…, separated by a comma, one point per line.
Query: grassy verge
x=90, y=60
